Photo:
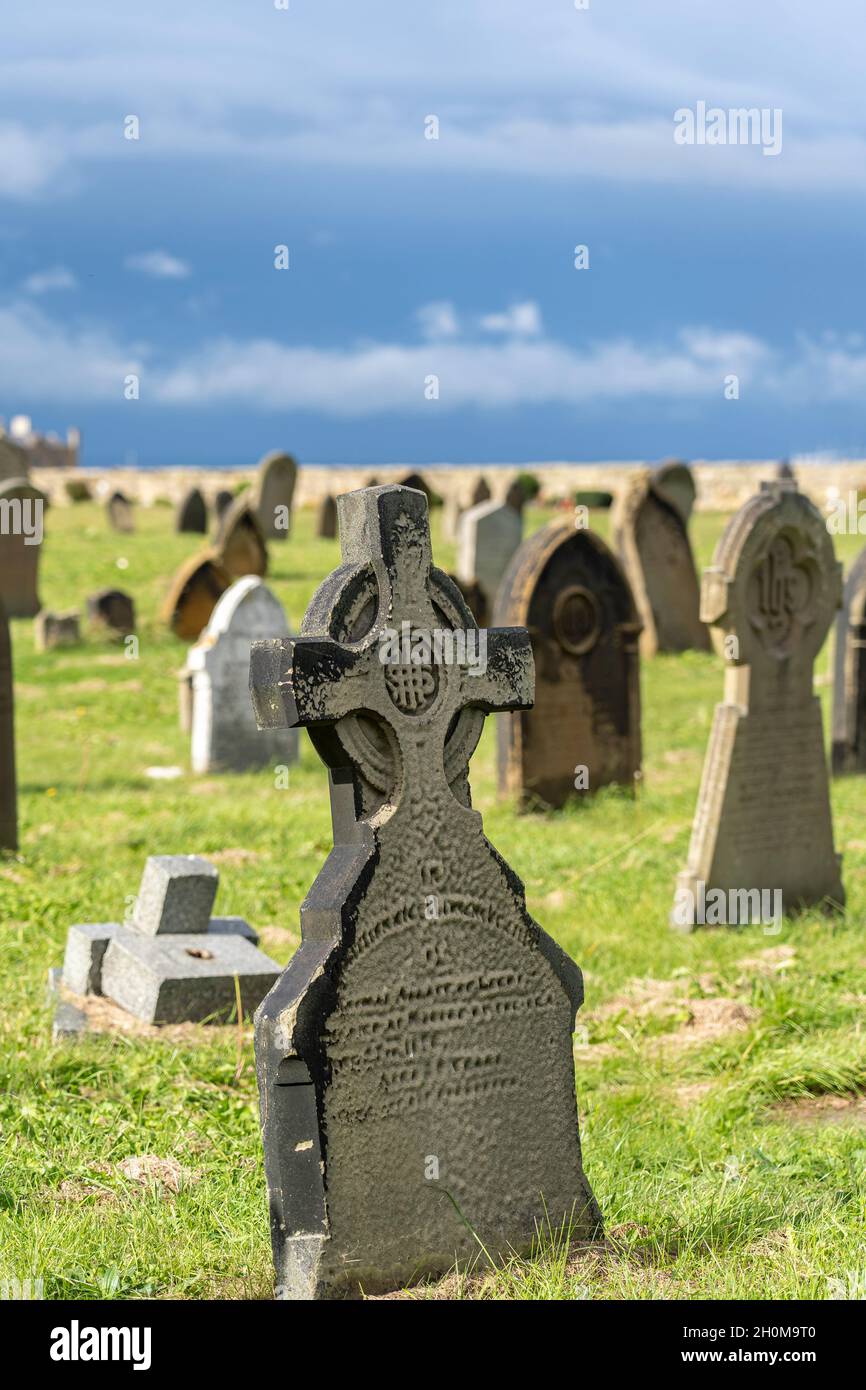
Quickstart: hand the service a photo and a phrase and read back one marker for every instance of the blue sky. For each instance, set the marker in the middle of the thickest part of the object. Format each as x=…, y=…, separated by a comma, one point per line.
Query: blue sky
x=411, y=258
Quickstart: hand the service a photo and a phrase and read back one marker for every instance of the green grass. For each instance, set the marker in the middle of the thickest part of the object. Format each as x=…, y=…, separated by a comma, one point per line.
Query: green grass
x=707, y=1189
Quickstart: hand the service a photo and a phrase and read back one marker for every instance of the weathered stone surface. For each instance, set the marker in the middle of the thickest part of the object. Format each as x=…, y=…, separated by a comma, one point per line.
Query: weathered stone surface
x=176, y=895
x=763, y=818
x=276, y=489
x=191, y=514
x=8, y=788
x=113, y=610
x=239, y=544
x=650, y=538
x=849, y=674
x=14, y=461
x=120, y=513
x=86, y=944
x=185, y=978
x=583, y=731
x=674, y=482
x=22, y=509
x=193, y=595
x=223, y=726
x=52, y=630
x=415, y=1058
x=487, y=537
x=233, y=926
x=326, y=522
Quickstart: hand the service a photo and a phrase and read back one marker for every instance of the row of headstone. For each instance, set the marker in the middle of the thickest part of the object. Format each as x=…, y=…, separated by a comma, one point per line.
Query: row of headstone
x=110, y=611
x=238, y=549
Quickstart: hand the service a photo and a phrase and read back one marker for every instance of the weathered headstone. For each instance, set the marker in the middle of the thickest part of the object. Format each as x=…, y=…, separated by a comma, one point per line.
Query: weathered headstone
x=173, y=962
x=276, y=488
x=487, y=537
x=326, y=524
x=420, y=484
x=112, y=610
x=652, y=543
x=583, y=731
x=14, y=461
x=22, y=509
x=52, y=630
x=849, y=674
x=191, y=513
x=674, y=482
x=415, y=1059
x=119, y=511
x=239, y=543
x=480, y=492
x=763, y=821
x=8, y=789
x=222, y=502
x=223, y=726
x=193, y=595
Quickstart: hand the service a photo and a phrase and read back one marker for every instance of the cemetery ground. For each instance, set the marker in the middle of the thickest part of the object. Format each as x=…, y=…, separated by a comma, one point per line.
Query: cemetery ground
x=721, y=1077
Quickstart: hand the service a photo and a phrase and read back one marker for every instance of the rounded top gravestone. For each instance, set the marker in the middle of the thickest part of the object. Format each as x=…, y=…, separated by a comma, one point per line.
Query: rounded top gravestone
x=674, y=481
x=239, y=543
x=275, y=490
x=22, y=509
x=193, y=594
x=191, y=513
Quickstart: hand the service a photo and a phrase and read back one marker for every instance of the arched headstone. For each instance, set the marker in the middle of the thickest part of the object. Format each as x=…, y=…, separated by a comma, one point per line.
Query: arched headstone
x=583, y=732
x=22, y=511
x=763, y=822
x=487, y=537
x=674, y=482
x=222, y=502
x=112, y=610
x=326, y=522
x=120, y=512
x=193, y=595
x=192, y=513
x=275, y=491
x=239, y=542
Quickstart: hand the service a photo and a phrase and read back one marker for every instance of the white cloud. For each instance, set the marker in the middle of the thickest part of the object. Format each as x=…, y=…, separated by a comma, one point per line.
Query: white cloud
x=519, y=321
x=438, y=320
x=45, y=361
x=159, y=264
x=52, y=278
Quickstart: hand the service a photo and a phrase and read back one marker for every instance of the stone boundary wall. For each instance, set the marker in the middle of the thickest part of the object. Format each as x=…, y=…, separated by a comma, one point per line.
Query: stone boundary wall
x=721, y=486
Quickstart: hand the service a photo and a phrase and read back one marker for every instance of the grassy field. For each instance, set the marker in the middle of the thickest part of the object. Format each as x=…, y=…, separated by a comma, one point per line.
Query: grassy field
x=718, y=1075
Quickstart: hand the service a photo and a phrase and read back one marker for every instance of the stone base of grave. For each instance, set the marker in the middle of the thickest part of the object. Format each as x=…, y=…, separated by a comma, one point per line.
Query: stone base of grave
x=185, y=978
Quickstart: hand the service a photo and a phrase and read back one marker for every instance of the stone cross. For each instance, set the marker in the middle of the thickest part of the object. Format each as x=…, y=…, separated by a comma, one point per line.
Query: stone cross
x=763, y=822
x=8, y=791
x=415, y=1058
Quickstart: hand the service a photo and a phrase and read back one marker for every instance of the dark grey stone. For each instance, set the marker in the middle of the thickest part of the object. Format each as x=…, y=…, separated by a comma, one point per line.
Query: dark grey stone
x=233, y=926
x=185, y=978
x=86, y=945
x=415, y=1058
x=176, y=895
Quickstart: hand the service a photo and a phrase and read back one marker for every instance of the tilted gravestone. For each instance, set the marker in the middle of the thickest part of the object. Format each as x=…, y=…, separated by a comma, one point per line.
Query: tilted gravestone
x=415, y=1058
x=8, y=789
x=276, y=489
x=849, y=674
x=487, y=537
x=172, y=962
x=326, y=523
x=583, y=731
x=193, y=595
x=112, y=610
x=239, y=544
x=223, y=726
x=763, y=821
x=119, y=511
x=191, y=513
x=674, y=482
x=22, y=510
x=651, y=540
x=52, y=630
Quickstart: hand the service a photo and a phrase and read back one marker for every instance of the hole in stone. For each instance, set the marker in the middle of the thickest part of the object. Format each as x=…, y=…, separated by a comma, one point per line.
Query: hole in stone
x=199, y=952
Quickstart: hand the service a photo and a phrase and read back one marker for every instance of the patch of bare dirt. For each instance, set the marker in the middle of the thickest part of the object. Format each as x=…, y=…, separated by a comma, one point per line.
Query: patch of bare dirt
x=234, y=856
x=691, y=1093
x=822, y=1110
x=103, y=1016
x=709, y=1020
x=150, y=1170
x=770, y=961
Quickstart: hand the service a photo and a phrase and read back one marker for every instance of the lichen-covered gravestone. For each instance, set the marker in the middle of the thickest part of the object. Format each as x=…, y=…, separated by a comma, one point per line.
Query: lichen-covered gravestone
x=415, y=1058
x=583, y=732
x=651, y=540
x=191, y=512
x=849, y=674
x=763, y=818
x=224, y=729
x=8, y=790
x=487, y=537
x=276, y=489
x=22, y=510
x=239, y=544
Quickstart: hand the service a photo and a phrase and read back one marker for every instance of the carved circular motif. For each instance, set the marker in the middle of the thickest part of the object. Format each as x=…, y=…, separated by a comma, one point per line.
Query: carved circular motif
x=412, y=686
x=781, y=590
x=577, y=619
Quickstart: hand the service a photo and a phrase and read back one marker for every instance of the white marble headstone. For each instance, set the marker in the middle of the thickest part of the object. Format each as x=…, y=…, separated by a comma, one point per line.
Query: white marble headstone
x=224, y=729
x=487, y=537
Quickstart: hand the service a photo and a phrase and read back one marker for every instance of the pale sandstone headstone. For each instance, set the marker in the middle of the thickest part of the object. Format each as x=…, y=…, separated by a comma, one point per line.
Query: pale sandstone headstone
x=849, y=674
x=193, y=594
x=487, y=537
x=239, y=544
x=674, y=482
x=22, y=519
x=223, y=725
x=583, y=731
x=415, y=1058
x=763, y=818
x=276, y=489
x=651, y=540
